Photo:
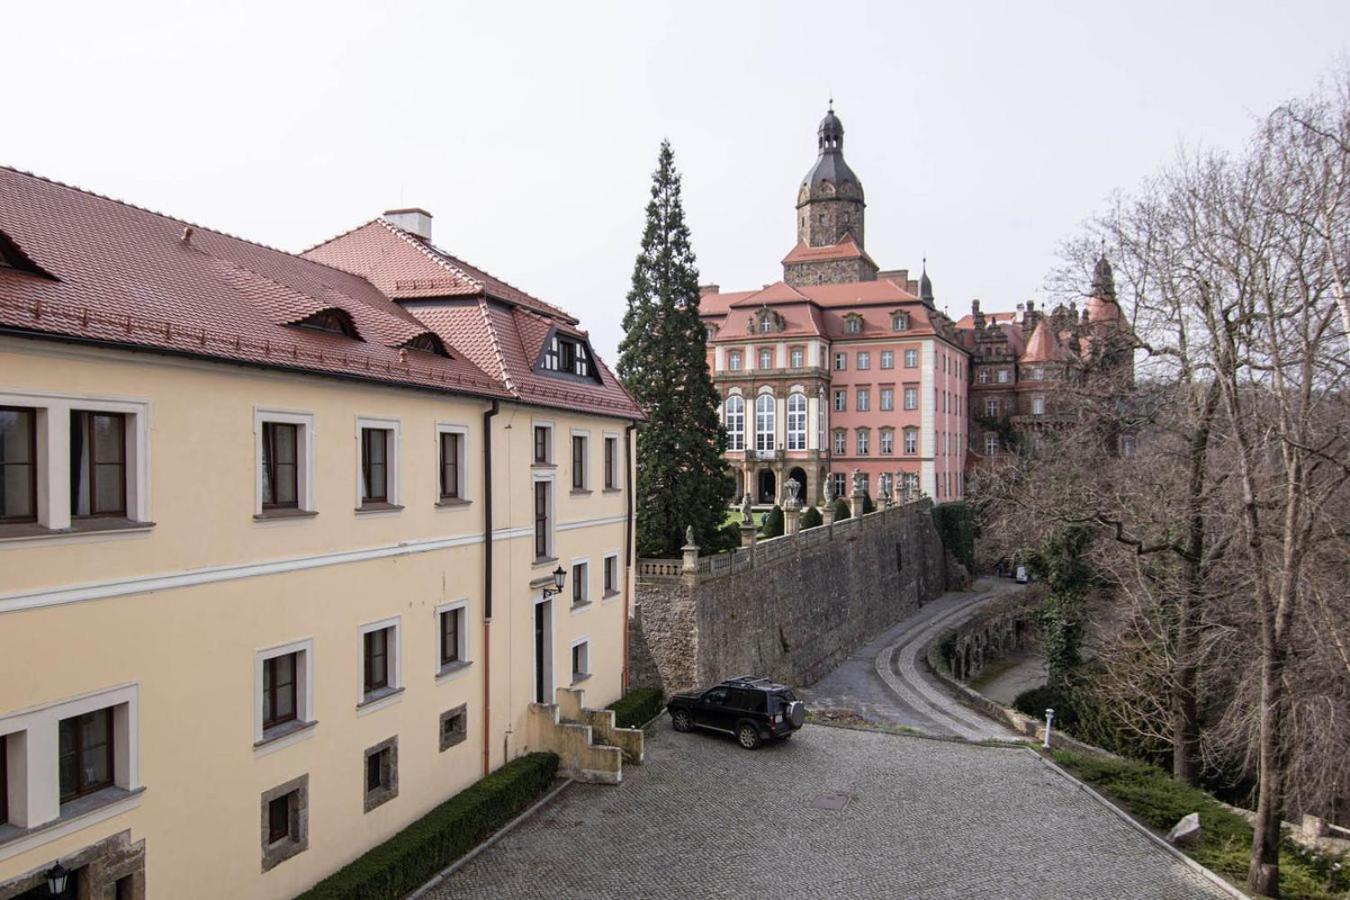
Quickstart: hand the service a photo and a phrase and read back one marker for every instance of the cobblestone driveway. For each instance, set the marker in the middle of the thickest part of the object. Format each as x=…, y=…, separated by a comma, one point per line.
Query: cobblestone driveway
x=924, y=819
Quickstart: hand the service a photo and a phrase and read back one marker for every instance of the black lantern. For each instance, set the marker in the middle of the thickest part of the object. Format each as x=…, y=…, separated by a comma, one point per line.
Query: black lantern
x=57, y=876
x=559, y=577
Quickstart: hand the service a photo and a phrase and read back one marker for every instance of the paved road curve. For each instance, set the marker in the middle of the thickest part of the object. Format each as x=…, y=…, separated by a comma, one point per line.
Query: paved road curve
x=887, y=681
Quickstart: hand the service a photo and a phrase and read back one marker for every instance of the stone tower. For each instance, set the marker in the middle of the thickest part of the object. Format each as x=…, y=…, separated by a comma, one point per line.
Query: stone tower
x=829, y=218
x=830, y=201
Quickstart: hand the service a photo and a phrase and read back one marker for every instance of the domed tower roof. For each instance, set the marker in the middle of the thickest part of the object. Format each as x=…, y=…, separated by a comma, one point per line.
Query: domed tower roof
x=830, y=176
x=1101, y=305
x=926, y=285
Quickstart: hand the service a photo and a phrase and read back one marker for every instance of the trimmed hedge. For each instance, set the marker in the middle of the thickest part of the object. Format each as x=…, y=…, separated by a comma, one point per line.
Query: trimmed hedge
x=637, y=707
x=841, y=510
x=408, y=859
x=773, y=523
x=811, y=518
x=868, y=505
x=956, y=527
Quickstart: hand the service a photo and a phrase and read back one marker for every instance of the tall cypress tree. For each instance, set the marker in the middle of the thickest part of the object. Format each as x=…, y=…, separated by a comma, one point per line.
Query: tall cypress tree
x=681, y=478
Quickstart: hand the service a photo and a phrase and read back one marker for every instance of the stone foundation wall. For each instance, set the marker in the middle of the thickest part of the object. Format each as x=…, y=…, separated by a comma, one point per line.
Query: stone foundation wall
x=793, y=609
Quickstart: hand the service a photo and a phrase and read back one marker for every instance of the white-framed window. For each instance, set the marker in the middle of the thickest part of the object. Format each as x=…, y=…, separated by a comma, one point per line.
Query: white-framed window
x=864, y=400
x=380, y=645
x=1003, y=376
x=452, y=637
x=735, y=414
x=764, y=422
x=74, y=755
x=544, y=524
x=888, y=359
x=887, y=441
x=841, y=400
x=911, y=441
x=734, y=361
x=840, y=483
x=797, y=357
x=543, y=443
x=283, y=693
x=612, y=462
x=991, y=406
x=911, y=398
x=983, y=377
x=1037, y=373
x=796, y=421
x=840, y=362
x=284, y=450
x=991, y=444
x=884, y=484
x=73, y=463
x=911, y=358
x=899, y=322
x=452, y=455
x=853, y=324
x=840, y=442
x=581, y=583
x=377, y=443
x=887, y=399
x=864, y=441
x=765, y=358
x=581, y=659
x=609, y=573
x=581, y=460
x=864, y=360
x=1038, y=405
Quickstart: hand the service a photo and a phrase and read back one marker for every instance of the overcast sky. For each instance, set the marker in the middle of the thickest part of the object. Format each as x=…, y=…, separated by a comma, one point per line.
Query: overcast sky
x=984, y=134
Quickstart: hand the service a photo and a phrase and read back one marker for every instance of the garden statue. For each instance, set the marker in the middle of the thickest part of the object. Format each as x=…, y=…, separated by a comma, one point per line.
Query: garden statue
x=791, y=487
x=747, y=518
x=689, y=535
x=858, y=489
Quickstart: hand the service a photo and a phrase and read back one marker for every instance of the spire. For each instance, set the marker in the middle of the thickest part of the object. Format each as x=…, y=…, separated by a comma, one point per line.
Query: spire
x=1103, y=279
x=925, y=285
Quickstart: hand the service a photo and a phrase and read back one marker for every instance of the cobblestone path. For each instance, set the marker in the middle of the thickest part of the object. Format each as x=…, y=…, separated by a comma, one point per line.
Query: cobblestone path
x=923, y=818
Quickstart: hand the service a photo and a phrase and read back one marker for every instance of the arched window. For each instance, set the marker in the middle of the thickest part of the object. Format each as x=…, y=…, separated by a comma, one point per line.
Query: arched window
x=796, y=422
x=735, y=423
x=764, y=422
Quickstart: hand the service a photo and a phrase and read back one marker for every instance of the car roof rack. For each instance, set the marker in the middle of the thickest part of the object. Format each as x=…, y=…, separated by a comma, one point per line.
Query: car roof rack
x=745, y=680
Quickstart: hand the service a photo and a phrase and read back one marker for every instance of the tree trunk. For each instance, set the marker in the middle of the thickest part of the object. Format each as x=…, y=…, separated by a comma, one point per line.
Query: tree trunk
x=1264, y=875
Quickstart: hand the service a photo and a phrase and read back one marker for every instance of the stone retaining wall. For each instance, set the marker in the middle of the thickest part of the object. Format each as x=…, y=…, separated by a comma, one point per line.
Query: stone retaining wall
x=793, y=608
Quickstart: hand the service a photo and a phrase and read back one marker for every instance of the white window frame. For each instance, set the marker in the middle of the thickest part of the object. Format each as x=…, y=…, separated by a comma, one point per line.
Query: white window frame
x=585, y=603
x=840, y=442
x=734, y=361
x=841, y=362
x=863, y=400
x=394, y=689
x=394, y=496
x=31, y=738
x=886, y=401
x=615, y=475
x=736, y=434
x=304, y=456
x=864, y=361
x=608, y=559
x=840, y=400
x=585, y=435
x=991, y=405
x=797, y=357
x=464, y=474
x=762, y=354
x=864, y=441
x=460, y=608
x=583, y=641
x=1003, y=377
x=991, y=444
x=766, y=438
x=911, y=397
x=910, y=448
x=796, y=421
x=1037, y=405
x=887, y=442
x=304, y=694
x=51, y=421
x=888, y=359
x=552, y=535
x=911, y=358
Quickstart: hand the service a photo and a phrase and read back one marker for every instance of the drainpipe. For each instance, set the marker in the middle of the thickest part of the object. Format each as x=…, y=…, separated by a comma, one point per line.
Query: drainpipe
x=487, y=581
x=628, y=433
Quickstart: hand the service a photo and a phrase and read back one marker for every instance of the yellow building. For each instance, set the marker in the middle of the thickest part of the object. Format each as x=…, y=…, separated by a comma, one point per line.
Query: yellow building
x=277, y=541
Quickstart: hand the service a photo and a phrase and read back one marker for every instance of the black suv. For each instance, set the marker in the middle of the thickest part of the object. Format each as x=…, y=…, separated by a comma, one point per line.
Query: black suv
x=755, y=710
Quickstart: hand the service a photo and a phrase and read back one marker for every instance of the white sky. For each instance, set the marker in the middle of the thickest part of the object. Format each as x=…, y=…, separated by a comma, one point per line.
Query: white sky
x=984, y=134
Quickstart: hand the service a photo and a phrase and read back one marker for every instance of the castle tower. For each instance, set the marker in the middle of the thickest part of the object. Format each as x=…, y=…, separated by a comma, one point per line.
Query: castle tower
x=830, y=201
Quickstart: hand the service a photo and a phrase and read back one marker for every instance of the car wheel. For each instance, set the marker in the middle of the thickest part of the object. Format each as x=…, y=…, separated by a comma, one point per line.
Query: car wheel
x=748, y=735
x=680, y=719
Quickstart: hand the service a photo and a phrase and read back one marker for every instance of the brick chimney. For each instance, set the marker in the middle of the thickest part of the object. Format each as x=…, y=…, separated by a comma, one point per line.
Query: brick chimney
x=705, y=289
x=416, y=222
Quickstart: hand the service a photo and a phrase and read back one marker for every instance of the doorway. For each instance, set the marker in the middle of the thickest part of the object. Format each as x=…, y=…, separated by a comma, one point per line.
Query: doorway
x=543, y=651
x=768, y=485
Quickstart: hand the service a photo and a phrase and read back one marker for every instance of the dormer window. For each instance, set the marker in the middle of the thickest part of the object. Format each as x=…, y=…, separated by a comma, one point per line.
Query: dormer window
x=569, y=356
x=853, y=324
x=13, y=257
x=333, y=321
x=427, y=342
x=899, y=321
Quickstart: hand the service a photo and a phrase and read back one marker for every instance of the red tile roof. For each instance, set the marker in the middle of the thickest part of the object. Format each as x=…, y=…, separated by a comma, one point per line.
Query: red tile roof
x=845, y=249
x=500, y=328
x=1044, y=346
x=131, y=277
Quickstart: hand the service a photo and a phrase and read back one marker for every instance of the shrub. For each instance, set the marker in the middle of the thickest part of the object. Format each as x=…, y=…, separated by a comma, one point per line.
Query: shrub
x=405, y=861
x=637, y=707
x=956, y=526
x=841, y=510
x=811, y=518
x=773, y=522
x=868, y=505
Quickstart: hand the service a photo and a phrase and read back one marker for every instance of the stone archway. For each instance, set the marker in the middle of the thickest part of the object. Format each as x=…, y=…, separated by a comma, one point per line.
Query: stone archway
x=767, y=487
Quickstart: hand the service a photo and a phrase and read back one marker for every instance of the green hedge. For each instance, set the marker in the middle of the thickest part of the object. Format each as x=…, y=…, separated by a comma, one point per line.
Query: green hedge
x=407, y=860
x=868, y=505
x=841, y=510
x=811, y=518
x=773, y=523
x=1225, y=843
x=956, y=527
x=636, y=708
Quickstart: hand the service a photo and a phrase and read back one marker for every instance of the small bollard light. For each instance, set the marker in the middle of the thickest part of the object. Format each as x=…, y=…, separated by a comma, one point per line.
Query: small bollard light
x=1049, y=721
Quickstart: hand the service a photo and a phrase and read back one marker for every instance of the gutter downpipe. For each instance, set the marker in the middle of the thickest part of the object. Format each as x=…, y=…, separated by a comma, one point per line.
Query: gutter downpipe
x=487, y=582
x=628, y=435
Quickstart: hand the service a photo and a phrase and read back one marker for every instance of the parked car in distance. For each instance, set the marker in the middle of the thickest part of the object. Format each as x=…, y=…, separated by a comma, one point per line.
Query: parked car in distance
x=1022, y=577
x=754, y=710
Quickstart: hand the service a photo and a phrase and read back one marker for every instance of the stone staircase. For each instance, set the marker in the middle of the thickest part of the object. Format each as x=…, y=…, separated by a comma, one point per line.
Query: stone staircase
x=589, y=746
